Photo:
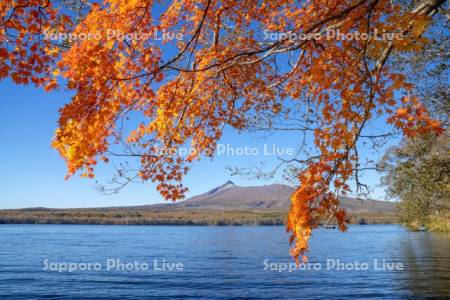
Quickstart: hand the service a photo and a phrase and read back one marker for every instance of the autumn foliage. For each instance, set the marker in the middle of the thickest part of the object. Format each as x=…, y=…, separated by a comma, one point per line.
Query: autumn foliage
x=221, y=73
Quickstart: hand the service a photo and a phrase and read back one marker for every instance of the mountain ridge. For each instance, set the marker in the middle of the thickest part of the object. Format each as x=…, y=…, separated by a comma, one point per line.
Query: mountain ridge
x=269, y=197
x=227, y=204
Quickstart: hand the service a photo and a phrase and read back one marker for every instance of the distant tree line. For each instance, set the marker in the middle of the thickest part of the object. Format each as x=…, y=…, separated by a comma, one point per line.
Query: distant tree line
x=169, y=216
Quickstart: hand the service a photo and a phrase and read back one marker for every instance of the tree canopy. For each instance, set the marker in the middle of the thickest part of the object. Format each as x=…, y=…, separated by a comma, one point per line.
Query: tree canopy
x=418, y=175
x=222, y=73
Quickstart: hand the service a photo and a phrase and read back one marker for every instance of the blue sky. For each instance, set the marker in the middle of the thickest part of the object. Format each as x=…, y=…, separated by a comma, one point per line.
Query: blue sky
x=32, y=173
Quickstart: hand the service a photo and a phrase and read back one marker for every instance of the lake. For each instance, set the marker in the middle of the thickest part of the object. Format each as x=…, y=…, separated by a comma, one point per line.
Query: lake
x=166, y=262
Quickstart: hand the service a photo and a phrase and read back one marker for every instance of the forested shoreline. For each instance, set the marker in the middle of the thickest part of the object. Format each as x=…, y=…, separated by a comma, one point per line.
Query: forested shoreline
x=201, y=217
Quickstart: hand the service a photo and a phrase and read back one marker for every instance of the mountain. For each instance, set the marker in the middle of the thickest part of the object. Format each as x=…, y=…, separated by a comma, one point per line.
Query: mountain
x=227, y=204
x=231, y=196
x=270, y=197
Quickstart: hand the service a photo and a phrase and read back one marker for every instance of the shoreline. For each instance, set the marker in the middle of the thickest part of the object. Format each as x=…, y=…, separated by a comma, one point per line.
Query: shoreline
x=170, y=216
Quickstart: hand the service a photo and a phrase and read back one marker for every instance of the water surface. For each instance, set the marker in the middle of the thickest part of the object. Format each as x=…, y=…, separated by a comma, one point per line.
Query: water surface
x=220, y=263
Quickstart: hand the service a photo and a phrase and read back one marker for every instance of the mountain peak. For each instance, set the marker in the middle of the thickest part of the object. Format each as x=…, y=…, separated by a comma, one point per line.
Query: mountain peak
x=222, y=187
x=271, y=197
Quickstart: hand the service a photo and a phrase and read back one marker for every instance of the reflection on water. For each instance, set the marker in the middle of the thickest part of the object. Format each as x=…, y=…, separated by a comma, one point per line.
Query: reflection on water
x=427, y=257
x=220, y=263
